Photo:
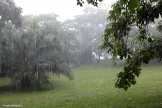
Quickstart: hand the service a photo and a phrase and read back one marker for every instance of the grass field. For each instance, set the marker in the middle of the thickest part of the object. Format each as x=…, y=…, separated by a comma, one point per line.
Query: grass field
x=92, y=87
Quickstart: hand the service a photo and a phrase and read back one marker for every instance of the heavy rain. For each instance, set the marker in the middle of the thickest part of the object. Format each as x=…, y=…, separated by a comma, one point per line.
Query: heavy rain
x=80, y=53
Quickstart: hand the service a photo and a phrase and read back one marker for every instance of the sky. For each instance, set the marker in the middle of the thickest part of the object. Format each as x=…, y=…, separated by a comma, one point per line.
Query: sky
x=64, y=8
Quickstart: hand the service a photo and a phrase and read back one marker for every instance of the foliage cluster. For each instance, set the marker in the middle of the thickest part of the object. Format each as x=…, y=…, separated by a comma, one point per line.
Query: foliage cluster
x=29, y=48
x=143, y=47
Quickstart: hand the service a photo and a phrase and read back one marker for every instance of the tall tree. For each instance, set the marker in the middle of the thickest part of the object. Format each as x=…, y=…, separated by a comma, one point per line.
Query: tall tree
x=89, y=27
x=29, y=53
x=70, y=43
x=9, y=12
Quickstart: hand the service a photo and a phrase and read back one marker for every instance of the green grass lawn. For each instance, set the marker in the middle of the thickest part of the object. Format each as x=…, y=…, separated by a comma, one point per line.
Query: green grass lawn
x=92, y=87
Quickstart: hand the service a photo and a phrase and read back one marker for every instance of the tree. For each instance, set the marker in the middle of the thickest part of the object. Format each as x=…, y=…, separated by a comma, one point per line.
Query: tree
x=29, y=53
x=41, y=52
x=143, y=47
x=8, y=12
x=70, y=43
x=89, y=28
x=91, y=25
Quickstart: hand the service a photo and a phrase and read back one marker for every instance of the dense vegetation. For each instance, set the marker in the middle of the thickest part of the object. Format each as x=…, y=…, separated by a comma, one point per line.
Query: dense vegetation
x=29, y=48
x=33, y=46
x=39, y=53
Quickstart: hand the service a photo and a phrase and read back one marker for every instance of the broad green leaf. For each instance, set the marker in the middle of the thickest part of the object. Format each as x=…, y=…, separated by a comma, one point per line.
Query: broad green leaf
x=132, y=5
x=123, y=2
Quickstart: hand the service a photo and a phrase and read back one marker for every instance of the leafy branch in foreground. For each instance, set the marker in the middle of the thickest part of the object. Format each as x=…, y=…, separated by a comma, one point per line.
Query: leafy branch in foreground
x=144, y=47
x=137, y=49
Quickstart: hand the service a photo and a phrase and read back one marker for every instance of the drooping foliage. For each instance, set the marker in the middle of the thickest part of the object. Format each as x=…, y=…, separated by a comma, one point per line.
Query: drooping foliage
x=142, y=47
x=28, y=55
x=8, y=13
x=29, y=48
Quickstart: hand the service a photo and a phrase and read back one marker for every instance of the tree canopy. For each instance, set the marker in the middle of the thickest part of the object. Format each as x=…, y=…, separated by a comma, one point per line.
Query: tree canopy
x=89, y=29
x=9, y=12
x=29, y=48
x=143, y=47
